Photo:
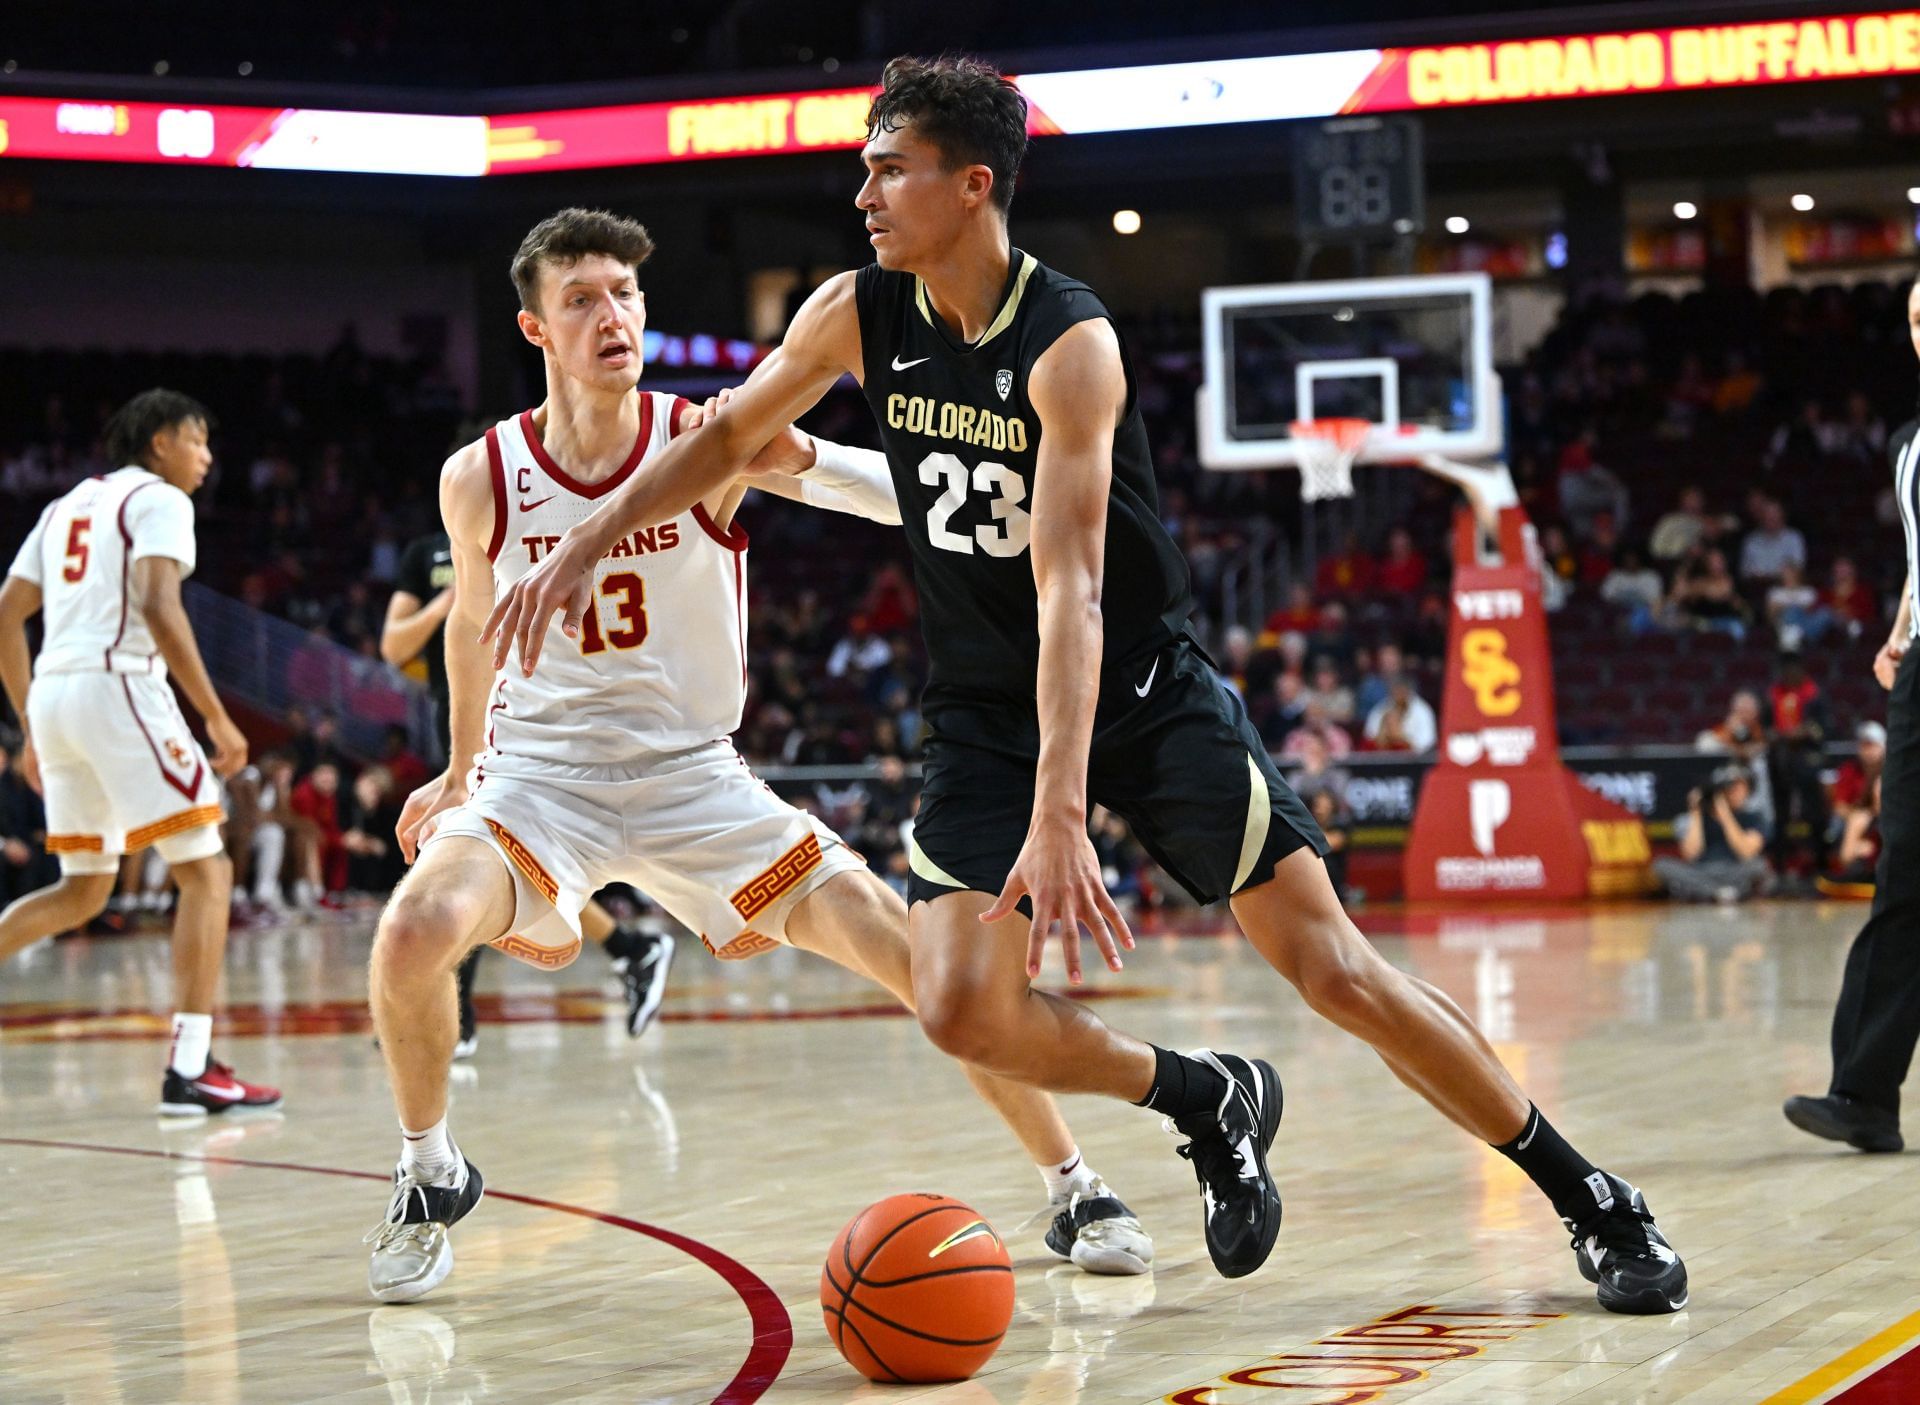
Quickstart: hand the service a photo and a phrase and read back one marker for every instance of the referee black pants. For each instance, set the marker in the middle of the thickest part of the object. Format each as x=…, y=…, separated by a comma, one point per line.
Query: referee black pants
x=1877, y=1021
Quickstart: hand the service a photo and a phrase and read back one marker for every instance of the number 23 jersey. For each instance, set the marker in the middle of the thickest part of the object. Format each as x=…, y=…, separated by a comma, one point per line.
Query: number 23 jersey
x=660, y=664
x=962, y=442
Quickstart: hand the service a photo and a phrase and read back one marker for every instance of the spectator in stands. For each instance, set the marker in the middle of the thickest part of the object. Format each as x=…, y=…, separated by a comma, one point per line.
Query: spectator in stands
x=406, y=772
x=1704, y=596
x=1687, y=526
x=1330, y=639
x=1588, y=489
x=1404, y=571
x=1559, y=568
x=1856, y=775
x=1236, y=653
x=1336, y=823
x=1862, y=435
x=1803, y=440
x=374, y=864
x=1795, y=611
x=891, y=605
x=1317, y=774
x=1404, y=722
x=1723, y=837
x=1299, y=615
x=1335, y=698
x=1634, y=589
x=1388, y=664
x=320, y=856
x=1349, y=574
x=259, y=822
x=1858, y=852
x=1599, y=551
x=1795, y=756
x=859, y=651
x=25, y=864
x=1771, y=546
x=1738, y=387
x=1283, y=711
x=1852, y=606
x=1314, y=726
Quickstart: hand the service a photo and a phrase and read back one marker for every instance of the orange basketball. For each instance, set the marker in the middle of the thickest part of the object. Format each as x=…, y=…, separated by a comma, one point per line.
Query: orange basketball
x=917, y=1288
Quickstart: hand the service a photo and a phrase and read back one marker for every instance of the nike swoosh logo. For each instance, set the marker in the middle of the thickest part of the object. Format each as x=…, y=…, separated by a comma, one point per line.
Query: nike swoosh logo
x=530, y=506
x=1141, y=691
x=979, y=1229
x=900, y=365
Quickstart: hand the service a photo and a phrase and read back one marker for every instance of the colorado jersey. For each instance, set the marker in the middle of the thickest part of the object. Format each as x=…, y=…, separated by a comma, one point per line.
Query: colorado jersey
x=81, y=554
x=962, y=441
x=660, y=664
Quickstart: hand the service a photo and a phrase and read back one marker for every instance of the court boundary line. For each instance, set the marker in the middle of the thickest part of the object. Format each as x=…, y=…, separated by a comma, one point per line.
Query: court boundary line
x=1873, y=1351
x=772, y=1326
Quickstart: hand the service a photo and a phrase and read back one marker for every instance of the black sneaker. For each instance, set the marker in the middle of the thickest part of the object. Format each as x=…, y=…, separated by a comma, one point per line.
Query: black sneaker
x=1620, y=1248
x=1228, y=1149
x=412, y=1253
x=644, y=974
x=1839, y=1118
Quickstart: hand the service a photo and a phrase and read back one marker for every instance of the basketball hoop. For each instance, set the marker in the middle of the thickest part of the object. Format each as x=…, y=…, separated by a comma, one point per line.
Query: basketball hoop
x=1327, y=450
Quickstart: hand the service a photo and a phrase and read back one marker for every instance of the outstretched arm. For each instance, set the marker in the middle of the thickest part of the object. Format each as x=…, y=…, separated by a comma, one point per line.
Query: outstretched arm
x=1077, y=387
x=822, y=345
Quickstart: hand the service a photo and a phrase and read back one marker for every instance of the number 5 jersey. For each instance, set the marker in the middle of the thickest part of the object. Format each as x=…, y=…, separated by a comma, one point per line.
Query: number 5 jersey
x=962, y=441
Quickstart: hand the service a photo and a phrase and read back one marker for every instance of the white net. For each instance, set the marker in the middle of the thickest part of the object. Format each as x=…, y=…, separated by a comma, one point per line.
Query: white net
x=1327, y=450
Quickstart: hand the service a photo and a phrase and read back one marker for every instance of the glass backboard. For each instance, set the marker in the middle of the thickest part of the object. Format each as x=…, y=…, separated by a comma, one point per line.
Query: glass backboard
x=1413, y=356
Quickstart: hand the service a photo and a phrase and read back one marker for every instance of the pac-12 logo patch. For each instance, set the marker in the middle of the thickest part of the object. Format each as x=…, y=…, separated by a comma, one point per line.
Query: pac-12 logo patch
x=1003, y=382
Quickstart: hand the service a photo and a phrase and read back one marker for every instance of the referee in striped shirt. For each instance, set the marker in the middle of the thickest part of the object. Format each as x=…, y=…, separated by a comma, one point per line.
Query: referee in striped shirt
x=1877, y=1020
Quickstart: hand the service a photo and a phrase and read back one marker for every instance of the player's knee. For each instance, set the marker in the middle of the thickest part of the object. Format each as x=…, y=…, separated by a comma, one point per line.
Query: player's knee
x=958, y=1021
x=212, y=875
x=87, y=895
x=1341, y=979
x=419, y=934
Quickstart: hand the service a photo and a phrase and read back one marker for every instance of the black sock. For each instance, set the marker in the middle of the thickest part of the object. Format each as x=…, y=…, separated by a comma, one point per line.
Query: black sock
x=623, y=943
x=1573, y=1183
x=1183, y=1086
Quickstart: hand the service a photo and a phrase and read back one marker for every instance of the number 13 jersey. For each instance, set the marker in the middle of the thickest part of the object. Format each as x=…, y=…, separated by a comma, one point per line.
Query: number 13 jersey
x=962, y=441
x=660, y=664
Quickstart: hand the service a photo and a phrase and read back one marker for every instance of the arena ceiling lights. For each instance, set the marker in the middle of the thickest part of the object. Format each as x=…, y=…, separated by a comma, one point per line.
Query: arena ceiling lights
x=1148, y=97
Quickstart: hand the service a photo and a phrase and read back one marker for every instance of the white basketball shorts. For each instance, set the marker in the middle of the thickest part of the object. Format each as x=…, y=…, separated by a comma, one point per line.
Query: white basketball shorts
x=121, y=771
x=695, y=831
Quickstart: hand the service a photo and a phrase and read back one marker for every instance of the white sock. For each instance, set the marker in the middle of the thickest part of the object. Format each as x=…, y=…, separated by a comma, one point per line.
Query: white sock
x=192, y=1038
x=1063, y=1178
x=431, y=1156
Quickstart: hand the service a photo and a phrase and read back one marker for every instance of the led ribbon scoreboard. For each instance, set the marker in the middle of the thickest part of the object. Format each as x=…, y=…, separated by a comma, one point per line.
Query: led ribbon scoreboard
x=1147, y=97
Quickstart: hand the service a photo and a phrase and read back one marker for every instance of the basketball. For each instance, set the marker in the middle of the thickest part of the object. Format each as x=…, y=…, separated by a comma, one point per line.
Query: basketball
x=917, y=1288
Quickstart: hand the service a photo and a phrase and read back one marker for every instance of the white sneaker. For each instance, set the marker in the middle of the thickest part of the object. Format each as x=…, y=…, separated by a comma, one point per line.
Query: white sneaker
x=1095, y=1231
x=412, y=1252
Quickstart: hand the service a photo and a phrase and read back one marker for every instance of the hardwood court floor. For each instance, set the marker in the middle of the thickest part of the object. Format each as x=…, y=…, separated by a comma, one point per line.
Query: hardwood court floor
x=657, y=1212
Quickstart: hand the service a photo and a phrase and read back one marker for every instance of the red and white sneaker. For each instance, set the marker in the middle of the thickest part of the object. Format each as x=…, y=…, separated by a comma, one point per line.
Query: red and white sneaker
x=213, y=1091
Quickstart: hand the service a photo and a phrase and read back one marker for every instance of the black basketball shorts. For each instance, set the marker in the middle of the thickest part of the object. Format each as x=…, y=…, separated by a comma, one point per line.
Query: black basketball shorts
x=1182, y=766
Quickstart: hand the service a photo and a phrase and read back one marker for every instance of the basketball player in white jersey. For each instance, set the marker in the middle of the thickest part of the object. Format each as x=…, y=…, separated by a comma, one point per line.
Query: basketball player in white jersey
x=611, y=761
x=106, y=744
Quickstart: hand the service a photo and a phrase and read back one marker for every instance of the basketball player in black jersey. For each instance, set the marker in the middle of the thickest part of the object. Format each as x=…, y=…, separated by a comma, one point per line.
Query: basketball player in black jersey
x=1054, y=607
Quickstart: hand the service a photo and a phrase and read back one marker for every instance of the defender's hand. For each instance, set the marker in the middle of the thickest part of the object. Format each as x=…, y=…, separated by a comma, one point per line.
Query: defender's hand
x=789, y=451
x=1886, y=663
x=444, y=792
x=1058, y=870
x=564, y=582
x=229, y=746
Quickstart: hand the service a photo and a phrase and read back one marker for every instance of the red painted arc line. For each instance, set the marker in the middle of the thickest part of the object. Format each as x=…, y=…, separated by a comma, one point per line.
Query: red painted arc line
x=1896, y=1383
x=772, y=1327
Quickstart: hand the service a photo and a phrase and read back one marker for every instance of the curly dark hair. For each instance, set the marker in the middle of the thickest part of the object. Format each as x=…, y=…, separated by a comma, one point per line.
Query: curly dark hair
x=961, y=105
x=563, y=239
x=131, y=428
